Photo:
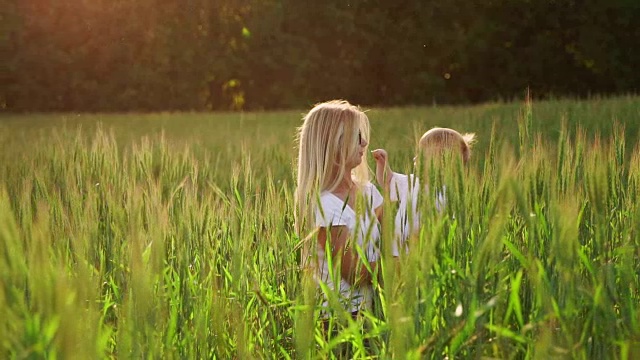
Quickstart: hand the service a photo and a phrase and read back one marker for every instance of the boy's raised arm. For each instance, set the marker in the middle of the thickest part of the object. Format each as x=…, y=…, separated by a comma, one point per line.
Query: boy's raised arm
x=383, y=170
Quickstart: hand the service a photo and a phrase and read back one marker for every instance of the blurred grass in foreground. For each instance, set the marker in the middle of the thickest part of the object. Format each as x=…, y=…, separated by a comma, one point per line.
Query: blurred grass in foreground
x=170, y=236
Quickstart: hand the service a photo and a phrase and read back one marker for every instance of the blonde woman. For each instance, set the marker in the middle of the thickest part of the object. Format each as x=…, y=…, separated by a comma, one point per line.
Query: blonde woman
x=405, y=189
x=336, y=202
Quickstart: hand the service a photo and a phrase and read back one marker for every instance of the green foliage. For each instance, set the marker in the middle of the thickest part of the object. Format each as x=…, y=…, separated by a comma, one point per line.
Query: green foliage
x=167, y=55
x=171, y=236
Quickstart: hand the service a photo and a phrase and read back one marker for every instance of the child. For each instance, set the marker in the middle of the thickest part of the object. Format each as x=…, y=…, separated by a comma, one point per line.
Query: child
x=404, y=189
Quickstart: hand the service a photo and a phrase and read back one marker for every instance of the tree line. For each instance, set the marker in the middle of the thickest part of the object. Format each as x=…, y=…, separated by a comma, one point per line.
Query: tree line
x=157, y=55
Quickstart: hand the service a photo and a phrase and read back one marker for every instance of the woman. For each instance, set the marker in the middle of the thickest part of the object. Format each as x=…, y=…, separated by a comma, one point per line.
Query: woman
x=336, y=202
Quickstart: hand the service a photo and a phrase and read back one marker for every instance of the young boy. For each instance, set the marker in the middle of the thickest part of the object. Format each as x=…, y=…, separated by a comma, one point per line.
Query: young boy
x=404, y=189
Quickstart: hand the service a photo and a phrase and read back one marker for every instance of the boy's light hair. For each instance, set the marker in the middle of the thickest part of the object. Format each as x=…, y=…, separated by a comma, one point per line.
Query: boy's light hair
x=327, y=141
x=440, y=139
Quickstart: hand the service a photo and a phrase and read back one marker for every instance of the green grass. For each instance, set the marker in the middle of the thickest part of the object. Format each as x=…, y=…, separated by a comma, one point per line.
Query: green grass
x=171, y=236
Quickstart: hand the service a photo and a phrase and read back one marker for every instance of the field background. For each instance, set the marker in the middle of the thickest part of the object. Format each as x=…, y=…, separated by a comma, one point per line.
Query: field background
x=169, y=235
x=222, y=137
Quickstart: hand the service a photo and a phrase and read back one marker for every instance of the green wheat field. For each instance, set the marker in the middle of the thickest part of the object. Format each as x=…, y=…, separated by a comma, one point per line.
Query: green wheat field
x=170, y=236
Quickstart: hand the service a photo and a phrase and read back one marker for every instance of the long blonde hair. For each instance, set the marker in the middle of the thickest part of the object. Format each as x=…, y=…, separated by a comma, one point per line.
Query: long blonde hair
x=327, y=140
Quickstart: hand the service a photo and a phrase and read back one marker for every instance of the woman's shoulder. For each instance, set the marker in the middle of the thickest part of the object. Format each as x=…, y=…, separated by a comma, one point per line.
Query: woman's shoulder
x=327, y=199
x=370, y=189
x=331, y=210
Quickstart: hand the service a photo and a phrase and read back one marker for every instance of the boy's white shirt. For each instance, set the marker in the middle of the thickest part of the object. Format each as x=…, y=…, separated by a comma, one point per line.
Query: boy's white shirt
x=405, y=190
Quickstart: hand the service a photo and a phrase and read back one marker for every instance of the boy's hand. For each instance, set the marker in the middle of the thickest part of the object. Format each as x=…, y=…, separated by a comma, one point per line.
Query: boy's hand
x=383, y=170
x=380, y=155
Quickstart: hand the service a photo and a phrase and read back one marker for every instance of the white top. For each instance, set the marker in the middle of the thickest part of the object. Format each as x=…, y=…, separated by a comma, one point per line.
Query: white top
x=405, y=190
x=335, y=212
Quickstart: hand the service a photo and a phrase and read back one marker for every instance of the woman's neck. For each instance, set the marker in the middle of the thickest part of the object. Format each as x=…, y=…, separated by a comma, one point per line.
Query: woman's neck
x=345, y=185
x=346, y=191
